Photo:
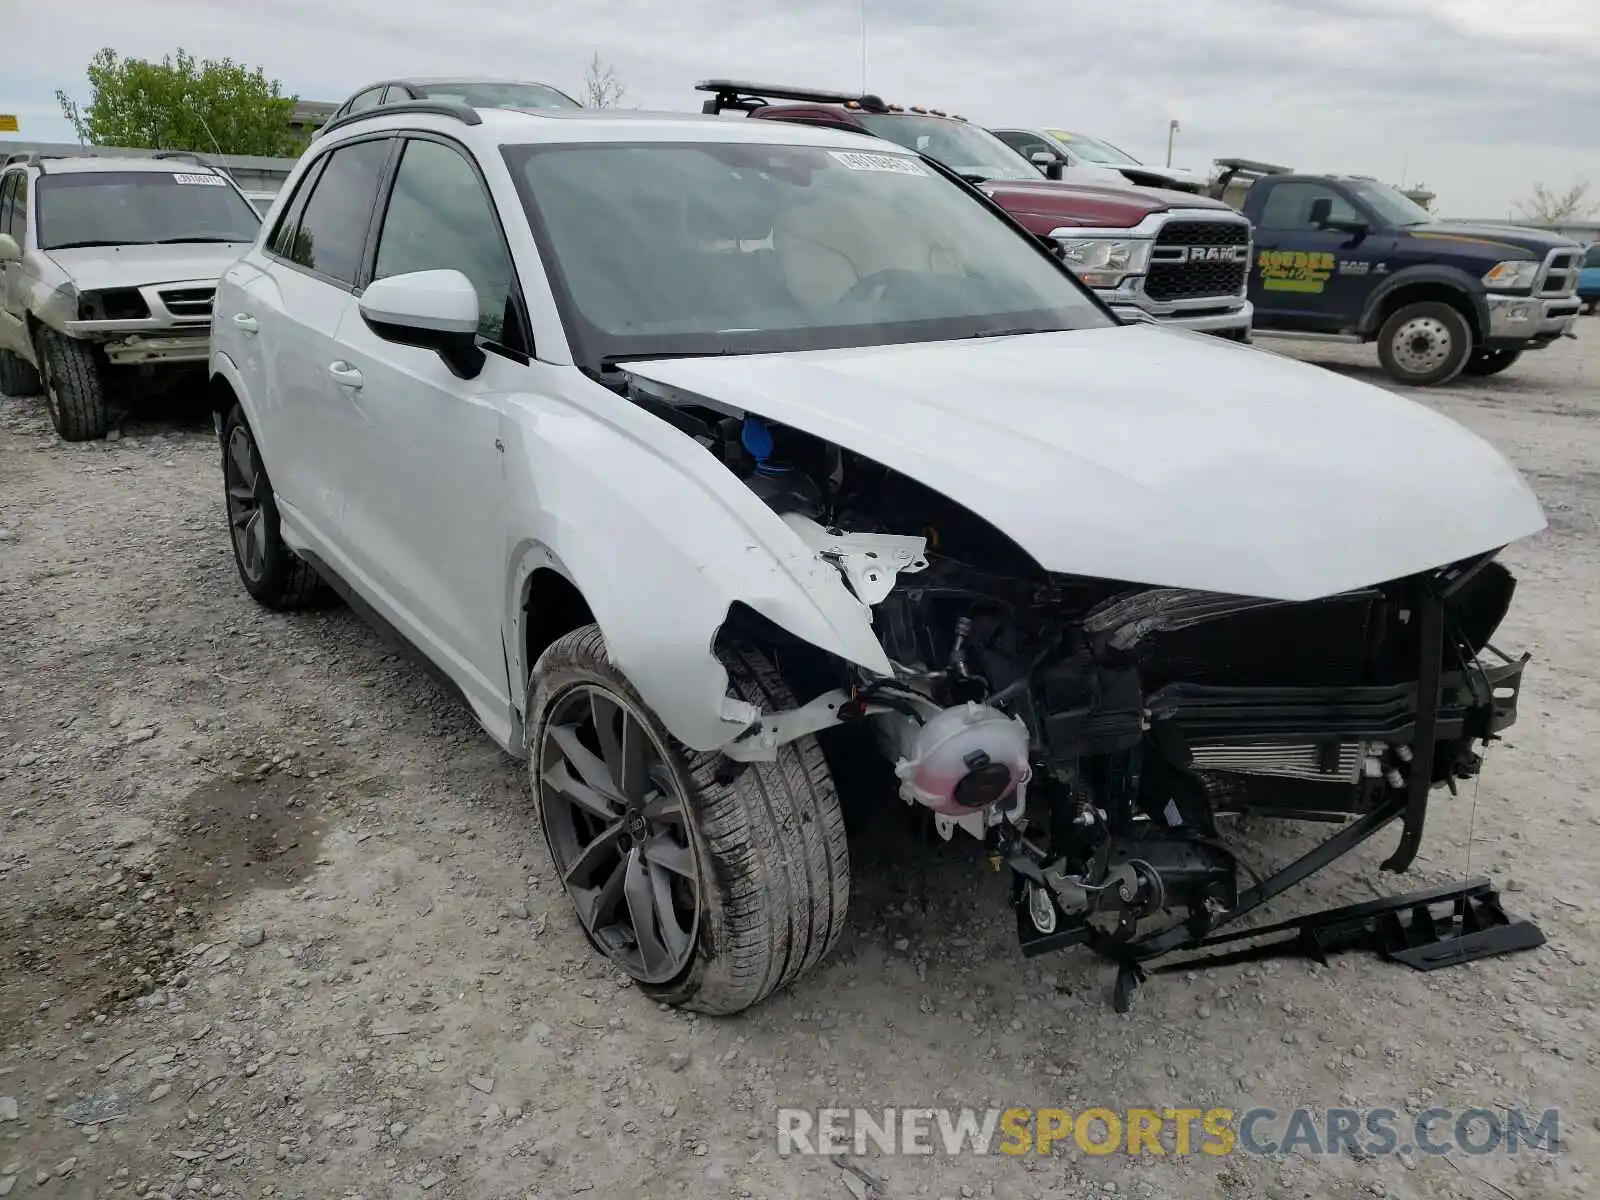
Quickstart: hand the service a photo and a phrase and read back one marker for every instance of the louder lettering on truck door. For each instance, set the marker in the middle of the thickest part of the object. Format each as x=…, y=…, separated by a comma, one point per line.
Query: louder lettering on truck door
x=1294, y=270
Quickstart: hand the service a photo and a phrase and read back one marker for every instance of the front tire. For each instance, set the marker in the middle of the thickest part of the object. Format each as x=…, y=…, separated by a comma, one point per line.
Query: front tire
x=711, y=895
x=74, y=386
x=17, y=376
x=1424, y=344
x=273, y=574
x=1484, y=363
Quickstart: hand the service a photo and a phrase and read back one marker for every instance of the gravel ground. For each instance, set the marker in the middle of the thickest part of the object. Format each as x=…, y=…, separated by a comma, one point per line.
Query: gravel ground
x=267, y=886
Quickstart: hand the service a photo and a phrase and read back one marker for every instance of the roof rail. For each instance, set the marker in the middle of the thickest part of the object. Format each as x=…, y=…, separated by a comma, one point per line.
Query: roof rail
x=731, y=93
x=186, y=154
x=438, y=108
x=31, y=157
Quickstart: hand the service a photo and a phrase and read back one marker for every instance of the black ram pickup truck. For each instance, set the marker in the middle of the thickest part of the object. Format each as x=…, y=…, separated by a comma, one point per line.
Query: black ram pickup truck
x=1352, y=259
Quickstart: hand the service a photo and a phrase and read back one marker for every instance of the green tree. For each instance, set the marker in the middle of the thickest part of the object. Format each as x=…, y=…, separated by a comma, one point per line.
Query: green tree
x=183, y=103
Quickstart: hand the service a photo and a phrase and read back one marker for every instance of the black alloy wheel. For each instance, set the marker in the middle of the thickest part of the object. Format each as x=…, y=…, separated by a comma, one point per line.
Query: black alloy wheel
x=614, y=817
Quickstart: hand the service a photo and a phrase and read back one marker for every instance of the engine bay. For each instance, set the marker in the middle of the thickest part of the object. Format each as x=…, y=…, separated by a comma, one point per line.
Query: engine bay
x=1092, y=732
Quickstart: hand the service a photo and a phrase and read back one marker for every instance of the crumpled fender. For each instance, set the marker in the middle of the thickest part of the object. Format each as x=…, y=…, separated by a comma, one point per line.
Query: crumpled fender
x=660, y=538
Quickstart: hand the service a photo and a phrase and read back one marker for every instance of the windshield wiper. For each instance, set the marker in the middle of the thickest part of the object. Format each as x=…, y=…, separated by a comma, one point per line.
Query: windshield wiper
x=615, y=362
x=88, y=242
x=1017, y=332
x=176, y=241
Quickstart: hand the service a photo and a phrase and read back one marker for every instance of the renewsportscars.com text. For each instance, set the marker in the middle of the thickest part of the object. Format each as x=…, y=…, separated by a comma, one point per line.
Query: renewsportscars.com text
x=1371, y=1133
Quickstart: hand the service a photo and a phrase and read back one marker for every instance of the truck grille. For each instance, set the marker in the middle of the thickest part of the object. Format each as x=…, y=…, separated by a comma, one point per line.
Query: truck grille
x=1561, y=273
x=1195, y=259
x=189, y=302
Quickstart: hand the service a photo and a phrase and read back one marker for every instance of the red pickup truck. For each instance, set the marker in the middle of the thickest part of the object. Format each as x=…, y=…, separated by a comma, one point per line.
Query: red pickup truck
x=1168, y=258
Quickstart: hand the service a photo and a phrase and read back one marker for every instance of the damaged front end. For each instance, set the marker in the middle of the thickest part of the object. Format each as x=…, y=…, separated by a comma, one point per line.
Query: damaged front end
x=1092, y=732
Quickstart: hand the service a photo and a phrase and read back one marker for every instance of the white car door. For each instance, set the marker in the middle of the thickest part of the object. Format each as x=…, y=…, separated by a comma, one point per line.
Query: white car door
x=287, y=316
x=423, y=512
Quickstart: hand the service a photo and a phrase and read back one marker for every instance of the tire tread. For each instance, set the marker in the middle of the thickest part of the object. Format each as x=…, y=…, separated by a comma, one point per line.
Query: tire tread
x=79, y=409
x=777, y=887
x=291, y=583
x=17, y=376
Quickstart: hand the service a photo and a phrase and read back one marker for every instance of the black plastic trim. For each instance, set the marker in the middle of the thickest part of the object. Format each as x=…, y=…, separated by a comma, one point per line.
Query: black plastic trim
x=386, y=631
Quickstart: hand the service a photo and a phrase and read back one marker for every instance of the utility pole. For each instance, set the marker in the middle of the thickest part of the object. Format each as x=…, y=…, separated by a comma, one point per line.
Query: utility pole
x=1172, y=130
x=863, y=47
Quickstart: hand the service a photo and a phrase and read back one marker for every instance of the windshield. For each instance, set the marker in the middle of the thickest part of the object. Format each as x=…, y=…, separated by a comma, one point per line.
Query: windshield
x=129, y=208
x=1091, y=150
x=965, y=149
x=1391, y=204
x=500, y=95
x=728, y=248
x=1592, y=258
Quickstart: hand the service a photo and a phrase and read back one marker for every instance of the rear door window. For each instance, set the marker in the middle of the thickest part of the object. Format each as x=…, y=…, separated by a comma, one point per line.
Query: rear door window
x=282, y=238
x=370, y=98
x=330, y=236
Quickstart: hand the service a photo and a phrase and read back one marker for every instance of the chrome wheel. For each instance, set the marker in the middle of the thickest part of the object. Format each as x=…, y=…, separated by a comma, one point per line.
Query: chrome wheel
x=616, y=822
x=1422, y=345
x=247, y=523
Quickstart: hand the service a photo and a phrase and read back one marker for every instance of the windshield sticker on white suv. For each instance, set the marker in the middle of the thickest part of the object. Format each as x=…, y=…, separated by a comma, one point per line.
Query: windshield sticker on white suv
x=894, y=164
x=200, y=180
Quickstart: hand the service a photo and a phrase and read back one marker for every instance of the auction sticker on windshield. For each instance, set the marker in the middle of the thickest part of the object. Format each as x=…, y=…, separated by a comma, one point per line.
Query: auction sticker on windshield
x=200, y=180
x=895, y=164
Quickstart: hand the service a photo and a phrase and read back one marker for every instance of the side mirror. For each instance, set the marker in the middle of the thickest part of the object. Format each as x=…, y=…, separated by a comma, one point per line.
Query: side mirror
x=1048, y=163
x=10, y=252
x=435, y=310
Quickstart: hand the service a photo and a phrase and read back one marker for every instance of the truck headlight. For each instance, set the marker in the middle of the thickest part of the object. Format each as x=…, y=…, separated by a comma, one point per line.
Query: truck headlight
x=112, y=304
x=1103, y=262
x=1516, y=275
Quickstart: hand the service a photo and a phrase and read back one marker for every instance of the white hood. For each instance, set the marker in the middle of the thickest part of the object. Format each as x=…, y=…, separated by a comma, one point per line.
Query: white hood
x=1152, y=456
x=93, y=268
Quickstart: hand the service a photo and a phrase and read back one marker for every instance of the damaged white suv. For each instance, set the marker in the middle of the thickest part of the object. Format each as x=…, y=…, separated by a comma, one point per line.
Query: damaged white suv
x=683, y=447
x=107, y=269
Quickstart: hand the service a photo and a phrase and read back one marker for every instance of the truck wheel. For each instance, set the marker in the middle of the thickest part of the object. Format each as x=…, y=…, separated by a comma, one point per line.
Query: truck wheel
x=73, y=387
x=1490, y=362
x=17, y=376
x=274, y=575
x=710, y=893
x=1424, y=344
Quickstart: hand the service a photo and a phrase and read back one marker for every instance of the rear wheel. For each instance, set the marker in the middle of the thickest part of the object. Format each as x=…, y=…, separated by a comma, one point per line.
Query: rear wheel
x=17, y=376
x=1424, y=344
x=74, y=388
x=1490, y=362
x=271, y=572
x=710, y=894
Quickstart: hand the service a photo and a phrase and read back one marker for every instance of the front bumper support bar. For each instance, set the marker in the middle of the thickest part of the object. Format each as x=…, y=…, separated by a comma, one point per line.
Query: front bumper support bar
x=1441, y=927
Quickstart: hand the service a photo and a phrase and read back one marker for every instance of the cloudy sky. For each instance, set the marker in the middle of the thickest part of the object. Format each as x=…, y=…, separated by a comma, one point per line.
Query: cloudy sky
x=1478, y=99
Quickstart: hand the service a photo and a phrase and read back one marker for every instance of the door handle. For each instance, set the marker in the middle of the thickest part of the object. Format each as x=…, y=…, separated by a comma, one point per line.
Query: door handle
x=345, y=375
x=245, y=323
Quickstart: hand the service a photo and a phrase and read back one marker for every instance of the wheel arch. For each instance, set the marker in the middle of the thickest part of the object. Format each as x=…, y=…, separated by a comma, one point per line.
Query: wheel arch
x=1415, y=285
x=668, y=636
x=225, y=388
